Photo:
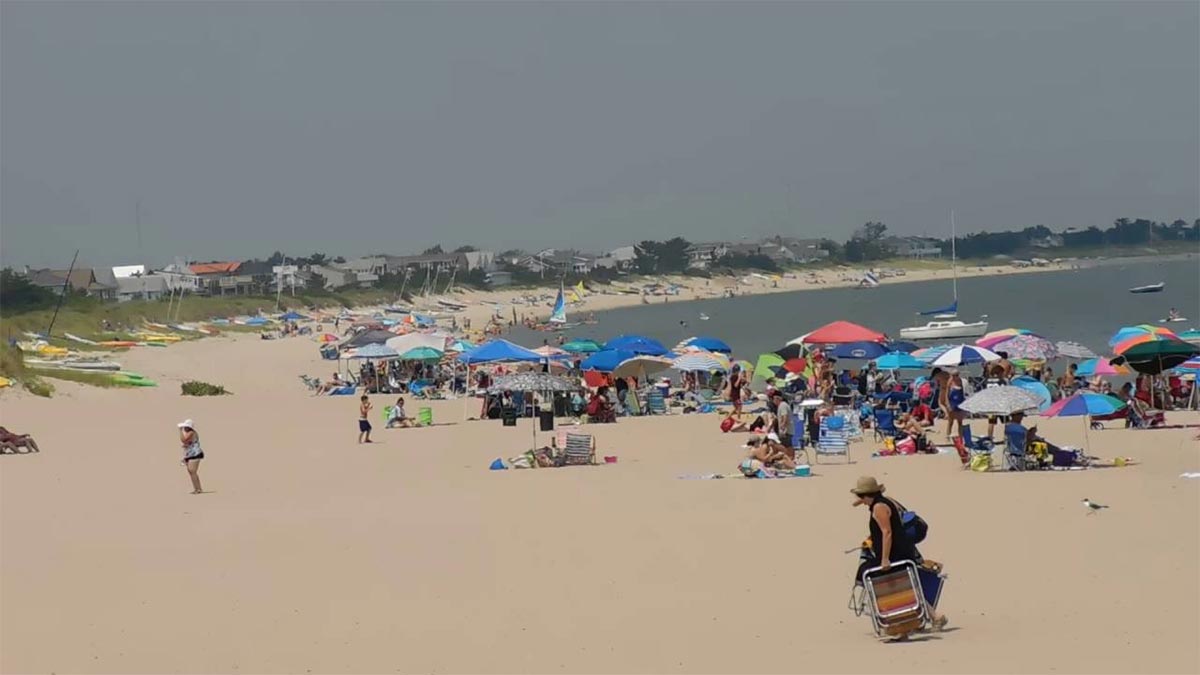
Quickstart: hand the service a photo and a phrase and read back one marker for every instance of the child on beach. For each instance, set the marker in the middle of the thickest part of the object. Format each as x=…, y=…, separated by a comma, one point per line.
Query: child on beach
x=192, y=453
x=364, y=424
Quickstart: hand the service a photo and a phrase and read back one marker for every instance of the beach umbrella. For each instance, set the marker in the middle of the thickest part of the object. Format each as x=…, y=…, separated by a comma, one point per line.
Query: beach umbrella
x=858, y=350
x=374, y=351
x=1190, y=366
x=900, y=346
x=1074, y=350
x=899, y=361
x=1001, y=400
x=410, y=341
x=533, y=382
x=965, y=354
x=1036, y=388
x=1192, y=336
x=792, y=351
x=1152, y=356
x=928, y=354
x=606, y=361
x=1001, y=335
x=641, y=366
x=840, y=332
x=708, y=344
x=582, y=346
x=426, y=354
x=1127, y=332
x=767, y=365
x=549, y=350
x=594, y=378
x=461, y=345
x=704, y=362
x=1027, y=346
x=1084, y=403
x=637, y=344
x=328, y=337
x=1099, y=366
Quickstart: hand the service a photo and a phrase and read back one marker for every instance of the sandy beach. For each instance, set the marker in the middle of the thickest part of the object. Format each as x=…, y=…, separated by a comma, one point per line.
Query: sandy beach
x=311, y=553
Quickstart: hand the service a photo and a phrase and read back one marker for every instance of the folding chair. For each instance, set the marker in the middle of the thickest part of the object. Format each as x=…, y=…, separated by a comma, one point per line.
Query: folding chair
x=580, y=449
x=1015, y=458
x=885, y=424
x=895, y=599
x=975, y=444
x=833, y=438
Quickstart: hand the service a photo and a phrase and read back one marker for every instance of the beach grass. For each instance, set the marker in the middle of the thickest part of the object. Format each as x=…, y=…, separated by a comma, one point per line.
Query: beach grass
x=12, y=366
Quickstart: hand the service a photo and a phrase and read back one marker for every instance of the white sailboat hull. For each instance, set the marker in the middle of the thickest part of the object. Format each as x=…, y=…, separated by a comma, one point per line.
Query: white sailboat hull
x=943, y=330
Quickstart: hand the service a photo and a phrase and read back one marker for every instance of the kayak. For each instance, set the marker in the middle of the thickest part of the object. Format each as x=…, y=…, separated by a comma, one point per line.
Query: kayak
x=134, y=380
x=118, y=343
x=1175, y=320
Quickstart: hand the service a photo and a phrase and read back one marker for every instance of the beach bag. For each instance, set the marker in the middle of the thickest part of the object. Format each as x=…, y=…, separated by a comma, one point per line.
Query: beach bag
x=981, y=462
x=906, y=447
x=915, y=527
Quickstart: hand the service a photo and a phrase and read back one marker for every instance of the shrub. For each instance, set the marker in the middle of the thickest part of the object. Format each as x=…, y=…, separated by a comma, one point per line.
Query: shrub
x=195, y=388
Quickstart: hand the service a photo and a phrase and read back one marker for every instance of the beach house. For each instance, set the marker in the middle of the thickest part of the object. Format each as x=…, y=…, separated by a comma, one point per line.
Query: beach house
x=94, y=282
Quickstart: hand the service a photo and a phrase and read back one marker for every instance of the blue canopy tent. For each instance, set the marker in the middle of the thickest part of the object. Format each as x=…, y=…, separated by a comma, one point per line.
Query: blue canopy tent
x=499, y=350
x=637, y=344
x=708, y=344
x=899, y=361
x=606, y=361
x=292, y=316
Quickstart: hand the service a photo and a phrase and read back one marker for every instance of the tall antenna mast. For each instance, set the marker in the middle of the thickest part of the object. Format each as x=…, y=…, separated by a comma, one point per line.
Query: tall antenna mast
x=137, y=219
x=953, y=254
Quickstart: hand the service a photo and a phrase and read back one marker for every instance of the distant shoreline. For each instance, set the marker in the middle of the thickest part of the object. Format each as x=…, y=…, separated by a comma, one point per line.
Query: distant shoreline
x=481, y=303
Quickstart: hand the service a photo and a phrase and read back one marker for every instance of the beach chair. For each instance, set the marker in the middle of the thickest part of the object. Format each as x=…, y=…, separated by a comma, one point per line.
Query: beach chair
x=579, y=449
x=895, y=599
x=1015, y=458
x=833, y=438
x=885, y=424
x=975, y=444
x=1144, y=418
x=655, y=403
x=312, y=383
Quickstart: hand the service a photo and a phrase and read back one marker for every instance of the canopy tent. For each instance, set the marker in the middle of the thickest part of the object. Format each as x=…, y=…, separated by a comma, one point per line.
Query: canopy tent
x=840, y=332
x=369, y=337
x=542, y=383
x=499, y=350
x=411, y=341
x=637, y=344
x=606, y=361
x=373, y=351
x=582, y=346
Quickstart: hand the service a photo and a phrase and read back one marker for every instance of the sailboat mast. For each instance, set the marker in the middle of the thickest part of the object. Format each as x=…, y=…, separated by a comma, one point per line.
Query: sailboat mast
x=953, y=255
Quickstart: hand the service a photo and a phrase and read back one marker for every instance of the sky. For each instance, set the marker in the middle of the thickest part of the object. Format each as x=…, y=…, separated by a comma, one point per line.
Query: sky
x=234, y=129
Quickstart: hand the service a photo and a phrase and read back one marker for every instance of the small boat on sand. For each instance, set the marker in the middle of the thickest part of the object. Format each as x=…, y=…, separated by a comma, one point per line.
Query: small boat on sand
x=1149, y=288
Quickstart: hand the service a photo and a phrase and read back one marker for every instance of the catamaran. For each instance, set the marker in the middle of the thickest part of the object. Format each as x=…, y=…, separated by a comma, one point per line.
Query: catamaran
x=945, y=323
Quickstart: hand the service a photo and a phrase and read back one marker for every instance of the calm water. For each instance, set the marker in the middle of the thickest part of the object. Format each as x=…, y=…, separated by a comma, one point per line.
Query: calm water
x=1085, y=305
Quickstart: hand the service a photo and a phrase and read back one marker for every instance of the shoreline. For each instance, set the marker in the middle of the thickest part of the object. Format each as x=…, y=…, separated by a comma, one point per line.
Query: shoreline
x=481, y=304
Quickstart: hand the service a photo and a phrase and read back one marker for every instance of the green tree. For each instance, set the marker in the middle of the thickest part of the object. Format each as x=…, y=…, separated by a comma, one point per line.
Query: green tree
x=465, y=249
x=18, y=294
x=436, y=249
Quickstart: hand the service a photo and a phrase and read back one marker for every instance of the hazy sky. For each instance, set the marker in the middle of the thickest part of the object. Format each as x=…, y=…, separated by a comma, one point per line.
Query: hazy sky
x=353, y=127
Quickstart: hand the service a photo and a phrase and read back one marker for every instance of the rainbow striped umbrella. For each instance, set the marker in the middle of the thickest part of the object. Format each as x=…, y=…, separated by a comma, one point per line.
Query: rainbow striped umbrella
x=928, y=354
x=1001, y=335
x=1100, y=366
x=1128, y=332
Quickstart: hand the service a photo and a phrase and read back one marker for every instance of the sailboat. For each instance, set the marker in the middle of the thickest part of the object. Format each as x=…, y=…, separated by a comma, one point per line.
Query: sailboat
x=558, y=315
x=945, y=324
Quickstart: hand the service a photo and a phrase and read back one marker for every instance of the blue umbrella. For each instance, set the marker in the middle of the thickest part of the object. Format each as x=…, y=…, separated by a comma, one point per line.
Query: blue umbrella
x=499, y=350
x=637, y=344
x=1034, y=387
x=899, y=361
x=606, y=361
x=708, y=344
x=292, y=316
x=898, y=346
x=859, y=350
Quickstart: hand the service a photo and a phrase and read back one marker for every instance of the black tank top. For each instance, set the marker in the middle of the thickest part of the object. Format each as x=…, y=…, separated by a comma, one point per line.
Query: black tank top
x=902, y=549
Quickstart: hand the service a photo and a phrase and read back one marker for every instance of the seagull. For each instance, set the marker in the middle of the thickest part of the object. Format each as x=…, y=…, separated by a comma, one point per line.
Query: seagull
x=1092, y=506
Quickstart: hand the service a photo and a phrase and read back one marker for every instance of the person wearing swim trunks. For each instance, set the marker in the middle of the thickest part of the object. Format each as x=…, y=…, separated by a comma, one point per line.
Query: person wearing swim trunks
x=364, y=425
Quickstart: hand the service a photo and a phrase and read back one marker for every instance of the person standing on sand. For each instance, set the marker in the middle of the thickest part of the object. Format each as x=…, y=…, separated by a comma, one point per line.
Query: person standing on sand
x=192, y=453
x=364, y=424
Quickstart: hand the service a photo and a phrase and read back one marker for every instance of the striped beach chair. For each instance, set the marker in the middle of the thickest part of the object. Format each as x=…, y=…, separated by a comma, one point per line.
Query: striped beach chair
x=895, y=599
x=580, y=449
x=833, y=438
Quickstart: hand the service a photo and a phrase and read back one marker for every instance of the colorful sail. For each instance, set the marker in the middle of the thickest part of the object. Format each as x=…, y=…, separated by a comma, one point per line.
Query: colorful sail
x=559, y=313
x=580, y=290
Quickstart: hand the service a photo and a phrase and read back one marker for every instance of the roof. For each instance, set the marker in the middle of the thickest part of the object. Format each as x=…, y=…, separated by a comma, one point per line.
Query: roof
x=143, y=284
x=215, y=267
x=121, y=271
x=82, y=278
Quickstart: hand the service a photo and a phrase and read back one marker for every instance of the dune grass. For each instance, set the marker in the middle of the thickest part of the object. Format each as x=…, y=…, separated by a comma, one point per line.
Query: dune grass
x=12, y=366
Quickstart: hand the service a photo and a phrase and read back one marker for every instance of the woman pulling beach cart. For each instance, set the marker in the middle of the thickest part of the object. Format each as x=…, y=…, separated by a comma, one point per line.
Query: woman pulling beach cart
x=896, y=586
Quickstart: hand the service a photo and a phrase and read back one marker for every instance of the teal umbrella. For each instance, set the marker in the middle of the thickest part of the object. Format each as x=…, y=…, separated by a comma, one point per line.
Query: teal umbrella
x=582, y=346
x=427, y=354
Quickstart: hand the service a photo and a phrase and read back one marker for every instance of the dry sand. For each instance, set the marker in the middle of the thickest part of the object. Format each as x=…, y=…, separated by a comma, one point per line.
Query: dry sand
x=311, y=553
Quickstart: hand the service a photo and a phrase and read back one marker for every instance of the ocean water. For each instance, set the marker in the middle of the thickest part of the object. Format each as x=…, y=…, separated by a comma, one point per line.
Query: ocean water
x=1085, y=305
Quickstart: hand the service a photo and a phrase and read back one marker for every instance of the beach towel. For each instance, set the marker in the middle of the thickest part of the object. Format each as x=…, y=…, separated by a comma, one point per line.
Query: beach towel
x=342, y=391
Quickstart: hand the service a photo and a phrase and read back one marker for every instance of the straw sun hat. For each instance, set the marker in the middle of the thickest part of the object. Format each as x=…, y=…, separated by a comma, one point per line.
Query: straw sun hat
x=186, y=424
x=867, y=485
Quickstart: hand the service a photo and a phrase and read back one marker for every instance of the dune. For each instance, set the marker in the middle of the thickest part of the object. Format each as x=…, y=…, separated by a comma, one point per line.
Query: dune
x=311, y=553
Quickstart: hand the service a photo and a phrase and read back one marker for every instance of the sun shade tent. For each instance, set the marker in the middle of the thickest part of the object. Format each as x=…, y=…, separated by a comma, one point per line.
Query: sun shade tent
x=637, y=344
x=374, y=351
x=292, y=316
x=542, y=383
x=641, y=366
x=369, y=337
x=411, y=341
x=499, y=351
x=840, y=332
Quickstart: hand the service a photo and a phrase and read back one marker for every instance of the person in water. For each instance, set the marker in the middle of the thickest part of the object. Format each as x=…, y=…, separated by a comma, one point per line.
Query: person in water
x=1173, y=314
